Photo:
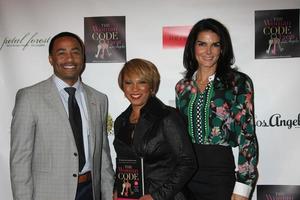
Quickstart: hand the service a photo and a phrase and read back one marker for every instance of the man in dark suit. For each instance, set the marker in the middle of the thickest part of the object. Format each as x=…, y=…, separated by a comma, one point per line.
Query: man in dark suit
x=46, y=160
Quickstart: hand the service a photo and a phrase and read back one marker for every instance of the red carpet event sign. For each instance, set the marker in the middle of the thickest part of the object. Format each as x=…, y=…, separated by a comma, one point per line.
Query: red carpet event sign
x=278, y=192
x=104, y=39
x=277, y=34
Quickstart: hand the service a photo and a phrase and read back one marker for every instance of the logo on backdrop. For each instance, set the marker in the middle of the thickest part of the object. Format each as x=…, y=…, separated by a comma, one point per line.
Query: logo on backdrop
x=277, y=33
x=24, y=41
x=277, y=120
x=175, y=36
x=278, y=192
x=104, y=39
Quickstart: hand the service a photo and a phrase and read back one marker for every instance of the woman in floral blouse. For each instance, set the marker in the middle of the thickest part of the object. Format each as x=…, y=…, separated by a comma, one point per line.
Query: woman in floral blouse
x=217, y=102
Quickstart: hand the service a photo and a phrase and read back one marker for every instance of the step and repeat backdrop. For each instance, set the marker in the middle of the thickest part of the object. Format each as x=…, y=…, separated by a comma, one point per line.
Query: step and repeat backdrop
x=265, y=36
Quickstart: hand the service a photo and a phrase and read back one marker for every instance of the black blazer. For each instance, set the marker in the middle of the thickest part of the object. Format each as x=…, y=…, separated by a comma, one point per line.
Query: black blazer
x=161, y=138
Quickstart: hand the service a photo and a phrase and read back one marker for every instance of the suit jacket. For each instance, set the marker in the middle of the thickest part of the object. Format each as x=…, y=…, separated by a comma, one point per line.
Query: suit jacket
x=160, y=137
x=43, y=156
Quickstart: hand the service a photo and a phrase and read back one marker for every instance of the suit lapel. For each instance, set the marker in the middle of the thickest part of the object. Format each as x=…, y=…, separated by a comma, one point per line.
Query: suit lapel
x=53, y=98
x=143, y=129
x=92, y=114
x=150, y=114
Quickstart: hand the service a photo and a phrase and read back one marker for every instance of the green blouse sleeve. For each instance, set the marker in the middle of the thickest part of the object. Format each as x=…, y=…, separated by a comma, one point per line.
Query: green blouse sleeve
x=243, y=113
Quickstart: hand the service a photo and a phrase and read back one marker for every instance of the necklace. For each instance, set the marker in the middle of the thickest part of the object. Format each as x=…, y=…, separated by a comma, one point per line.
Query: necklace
x=134, y=117
x=133, y=120
x=202, y=82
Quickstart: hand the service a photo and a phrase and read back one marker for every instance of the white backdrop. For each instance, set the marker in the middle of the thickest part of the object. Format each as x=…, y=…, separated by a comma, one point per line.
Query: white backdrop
x=276, y=81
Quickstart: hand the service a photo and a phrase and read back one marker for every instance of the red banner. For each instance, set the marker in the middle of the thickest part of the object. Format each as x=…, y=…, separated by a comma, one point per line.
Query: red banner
x=175, y=36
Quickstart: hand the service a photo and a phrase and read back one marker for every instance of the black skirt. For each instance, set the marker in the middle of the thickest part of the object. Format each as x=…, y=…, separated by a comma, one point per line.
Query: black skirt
x=215, y=177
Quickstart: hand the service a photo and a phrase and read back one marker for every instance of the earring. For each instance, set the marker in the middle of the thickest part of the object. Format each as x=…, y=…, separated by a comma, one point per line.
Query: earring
x=152, y=93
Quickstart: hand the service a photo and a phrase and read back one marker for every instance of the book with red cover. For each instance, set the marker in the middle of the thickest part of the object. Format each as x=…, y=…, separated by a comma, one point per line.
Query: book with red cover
x=129, y=178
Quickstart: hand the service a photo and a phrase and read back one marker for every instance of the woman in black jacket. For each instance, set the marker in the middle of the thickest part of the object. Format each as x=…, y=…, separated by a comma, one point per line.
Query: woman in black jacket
x=153, y=131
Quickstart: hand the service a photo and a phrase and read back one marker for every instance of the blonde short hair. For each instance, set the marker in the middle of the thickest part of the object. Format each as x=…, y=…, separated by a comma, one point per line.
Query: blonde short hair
x=143, y=68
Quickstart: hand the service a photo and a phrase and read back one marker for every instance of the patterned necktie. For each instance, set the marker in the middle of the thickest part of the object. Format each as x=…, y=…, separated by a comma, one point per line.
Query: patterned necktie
x=76, y=124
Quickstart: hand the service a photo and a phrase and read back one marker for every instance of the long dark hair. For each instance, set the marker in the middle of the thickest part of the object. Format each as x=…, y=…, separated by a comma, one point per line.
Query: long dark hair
x=226, y=59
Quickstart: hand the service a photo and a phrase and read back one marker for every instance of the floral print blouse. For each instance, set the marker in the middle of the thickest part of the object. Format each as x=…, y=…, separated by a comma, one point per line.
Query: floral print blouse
x=222, y=116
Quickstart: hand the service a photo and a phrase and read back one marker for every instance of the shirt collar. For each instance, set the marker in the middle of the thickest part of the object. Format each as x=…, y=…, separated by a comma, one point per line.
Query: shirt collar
x=60, y=84
x=210, y=78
